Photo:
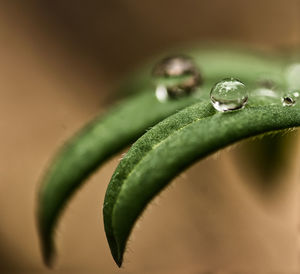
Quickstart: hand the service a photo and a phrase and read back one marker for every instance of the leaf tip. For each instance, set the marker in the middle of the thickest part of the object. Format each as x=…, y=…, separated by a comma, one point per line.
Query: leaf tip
x=47, y=248
x=49, y=260
x=48, y=254
x=119, y=262
x=117, y=256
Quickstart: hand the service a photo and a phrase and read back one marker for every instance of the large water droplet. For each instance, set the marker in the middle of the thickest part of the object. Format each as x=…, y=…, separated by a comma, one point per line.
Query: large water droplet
x=175, y=76
x=290, y=99
x=229, y=94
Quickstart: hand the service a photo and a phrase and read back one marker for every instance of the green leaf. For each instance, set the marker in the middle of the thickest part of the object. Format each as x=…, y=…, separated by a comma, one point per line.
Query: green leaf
x=124, y=123
x=170, y=147
x=94, y=144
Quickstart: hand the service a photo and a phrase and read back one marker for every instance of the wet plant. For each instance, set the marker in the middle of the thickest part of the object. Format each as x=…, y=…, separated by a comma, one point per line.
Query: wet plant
x=195, y=104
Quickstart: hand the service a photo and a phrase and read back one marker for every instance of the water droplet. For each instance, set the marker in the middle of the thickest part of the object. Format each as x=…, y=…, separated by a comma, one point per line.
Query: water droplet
x=175, y=76
x=229, y=94
x=290, y=99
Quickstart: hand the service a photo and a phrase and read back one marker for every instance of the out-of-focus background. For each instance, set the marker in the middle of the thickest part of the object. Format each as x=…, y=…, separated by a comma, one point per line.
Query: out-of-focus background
x=59, y=63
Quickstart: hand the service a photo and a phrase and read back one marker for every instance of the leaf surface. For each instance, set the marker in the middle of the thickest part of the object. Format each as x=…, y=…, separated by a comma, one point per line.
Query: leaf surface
x=128, y=120
x=172, y=146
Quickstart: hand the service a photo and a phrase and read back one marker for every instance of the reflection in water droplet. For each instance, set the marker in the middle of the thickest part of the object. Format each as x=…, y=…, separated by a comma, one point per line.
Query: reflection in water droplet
x=288, y=101
x=229, y=94
x=175, y=76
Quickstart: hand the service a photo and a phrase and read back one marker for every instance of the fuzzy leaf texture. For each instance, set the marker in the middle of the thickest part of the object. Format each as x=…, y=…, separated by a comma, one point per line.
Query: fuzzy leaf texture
x=170, y=147
x=128, y=120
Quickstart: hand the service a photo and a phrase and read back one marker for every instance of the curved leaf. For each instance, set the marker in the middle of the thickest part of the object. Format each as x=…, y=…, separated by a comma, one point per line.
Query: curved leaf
x=94, y=144
x=107, y=135
x=169, y=148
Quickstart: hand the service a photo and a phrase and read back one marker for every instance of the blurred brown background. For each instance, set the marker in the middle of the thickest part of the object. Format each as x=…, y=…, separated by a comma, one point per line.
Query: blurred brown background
x=59, y=62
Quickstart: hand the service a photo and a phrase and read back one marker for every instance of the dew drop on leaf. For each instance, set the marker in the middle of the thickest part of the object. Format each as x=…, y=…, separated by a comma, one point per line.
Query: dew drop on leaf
x=229, y=94
x=290, y=99
x=175, y=76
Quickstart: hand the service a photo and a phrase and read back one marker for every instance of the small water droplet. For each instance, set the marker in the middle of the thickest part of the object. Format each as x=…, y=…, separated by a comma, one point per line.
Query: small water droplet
x=290, y=99
x=175, y=76
x=229, y=94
